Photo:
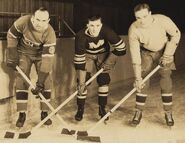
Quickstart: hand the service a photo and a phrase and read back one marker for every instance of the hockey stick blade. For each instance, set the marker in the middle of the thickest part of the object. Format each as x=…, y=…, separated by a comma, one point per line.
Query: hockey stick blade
x=9, y=135
x=82, y=133
x=24, y=135
x=89, y=138
x=67, y=132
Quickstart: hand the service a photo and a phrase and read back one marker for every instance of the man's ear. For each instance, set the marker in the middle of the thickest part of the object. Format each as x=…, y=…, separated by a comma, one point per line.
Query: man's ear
x=48, y=20
x=32, y=18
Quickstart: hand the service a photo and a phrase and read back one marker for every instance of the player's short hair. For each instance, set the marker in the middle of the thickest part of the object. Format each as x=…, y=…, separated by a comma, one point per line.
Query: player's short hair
x=94, y=17
x=43, y=9
x=141, y=6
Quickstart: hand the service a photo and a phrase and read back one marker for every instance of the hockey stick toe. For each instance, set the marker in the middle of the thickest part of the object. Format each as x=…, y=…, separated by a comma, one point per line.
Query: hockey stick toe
x=82, y=133
x=24, y=135
x=89, y=138
x=9, y=135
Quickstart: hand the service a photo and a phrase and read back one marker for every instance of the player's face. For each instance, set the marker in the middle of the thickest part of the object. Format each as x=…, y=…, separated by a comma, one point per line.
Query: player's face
x=40, y=20
x=94, y=27
x=144, y=17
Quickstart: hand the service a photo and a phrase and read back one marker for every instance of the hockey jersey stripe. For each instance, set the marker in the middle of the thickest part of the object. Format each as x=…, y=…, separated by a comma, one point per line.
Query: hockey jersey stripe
x=94, y=51
x=12, y=34
x=15, y=25
x=49, y=45
x=117, y=44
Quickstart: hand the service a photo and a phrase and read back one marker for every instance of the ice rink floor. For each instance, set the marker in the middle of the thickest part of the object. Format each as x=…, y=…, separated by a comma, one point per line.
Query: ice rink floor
x=152, y=128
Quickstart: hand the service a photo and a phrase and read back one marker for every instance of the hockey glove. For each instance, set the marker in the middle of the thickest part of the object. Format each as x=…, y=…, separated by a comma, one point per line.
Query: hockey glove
x=138, y=84
x=82, y=88
x=109, y=63
x=38, y=89
x=166, y=60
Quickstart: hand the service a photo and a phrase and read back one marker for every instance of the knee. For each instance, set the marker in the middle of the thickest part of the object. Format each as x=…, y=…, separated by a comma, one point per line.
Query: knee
x=103, y=79
x=165, y=73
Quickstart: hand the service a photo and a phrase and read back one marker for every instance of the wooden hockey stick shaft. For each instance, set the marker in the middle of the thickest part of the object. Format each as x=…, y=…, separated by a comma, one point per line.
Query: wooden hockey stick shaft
x=54, y=111
x=40, y=94
x=123, y=99
x=69, y=27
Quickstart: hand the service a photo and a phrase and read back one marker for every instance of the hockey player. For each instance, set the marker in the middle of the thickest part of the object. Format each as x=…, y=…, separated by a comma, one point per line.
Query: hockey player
x=31, y=40
x=153, y=39
x=92, y=47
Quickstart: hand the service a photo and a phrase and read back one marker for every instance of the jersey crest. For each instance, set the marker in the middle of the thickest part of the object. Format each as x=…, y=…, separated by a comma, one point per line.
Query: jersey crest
x=92, y=45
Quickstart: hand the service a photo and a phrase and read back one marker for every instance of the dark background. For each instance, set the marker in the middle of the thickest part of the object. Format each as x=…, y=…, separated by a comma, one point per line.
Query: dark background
x=118, y=14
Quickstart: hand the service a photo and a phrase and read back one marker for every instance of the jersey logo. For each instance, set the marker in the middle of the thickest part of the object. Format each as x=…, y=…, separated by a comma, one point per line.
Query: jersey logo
x=92, y=45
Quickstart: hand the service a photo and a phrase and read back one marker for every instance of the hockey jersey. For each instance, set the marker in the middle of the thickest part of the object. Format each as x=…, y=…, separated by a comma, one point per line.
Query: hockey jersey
x=29, y=41
x=154, y=37
x=85, y=44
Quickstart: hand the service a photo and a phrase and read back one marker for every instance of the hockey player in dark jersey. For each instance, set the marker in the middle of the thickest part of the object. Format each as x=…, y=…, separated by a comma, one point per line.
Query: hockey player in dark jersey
x=31, y=40
x=92, y=47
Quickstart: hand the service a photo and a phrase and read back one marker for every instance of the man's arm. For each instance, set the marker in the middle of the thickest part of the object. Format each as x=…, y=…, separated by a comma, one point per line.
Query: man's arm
x=119, y=48
x=134, y=45
x=13, y=36
x=80, y=62
x=174, y=36
x=46, y=61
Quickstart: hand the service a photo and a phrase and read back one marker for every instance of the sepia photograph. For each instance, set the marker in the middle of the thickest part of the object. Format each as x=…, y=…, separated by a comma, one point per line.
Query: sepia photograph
x=92, y=71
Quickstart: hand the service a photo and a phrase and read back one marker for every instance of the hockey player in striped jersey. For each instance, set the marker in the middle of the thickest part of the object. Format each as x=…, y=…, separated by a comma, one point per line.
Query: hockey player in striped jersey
x=92, y=48
x=153, y=39
x=31, y=40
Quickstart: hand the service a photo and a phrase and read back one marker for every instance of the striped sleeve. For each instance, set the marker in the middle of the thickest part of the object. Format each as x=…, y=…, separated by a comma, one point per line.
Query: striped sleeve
x=48, y=51
x=119, y=48
x=80, y=56
x=50, y=43
x=15, y=32
x=117, y=43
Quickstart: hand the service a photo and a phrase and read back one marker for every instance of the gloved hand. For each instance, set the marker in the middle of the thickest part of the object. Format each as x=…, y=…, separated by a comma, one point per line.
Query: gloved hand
x=12, y=64
x=138, y=84
x=81, y=89
x=107, y=66
x=166, y=60
x=38, y=89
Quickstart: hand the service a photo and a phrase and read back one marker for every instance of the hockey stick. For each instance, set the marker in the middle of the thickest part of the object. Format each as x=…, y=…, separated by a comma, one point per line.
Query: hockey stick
x=69, y=27
x=25, y=135
x=83, y=135
x=65, y=130
x=54, y=111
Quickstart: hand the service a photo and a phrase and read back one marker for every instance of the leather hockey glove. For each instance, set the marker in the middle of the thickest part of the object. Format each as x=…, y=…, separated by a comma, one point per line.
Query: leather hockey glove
x=38, y=89
x=166, y=60
x=109, y=63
